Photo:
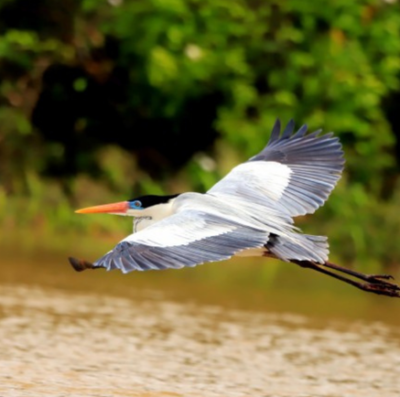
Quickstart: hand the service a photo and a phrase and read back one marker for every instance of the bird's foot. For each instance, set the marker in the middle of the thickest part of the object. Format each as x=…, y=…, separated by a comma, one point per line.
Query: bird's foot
x=381, y=288
x=378, y=283
x=80, y=264
x=379, y=277
x=375, y=283
x=370, y=278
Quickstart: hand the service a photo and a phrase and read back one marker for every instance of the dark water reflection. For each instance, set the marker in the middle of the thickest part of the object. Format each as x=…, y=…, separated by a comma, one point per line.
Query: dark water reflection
x=56, y=342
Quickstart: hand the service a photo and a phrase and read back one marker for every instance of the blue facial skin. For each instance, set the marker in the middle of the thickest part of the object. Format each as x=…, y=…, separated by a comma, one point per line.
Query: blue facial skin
x=135, y=205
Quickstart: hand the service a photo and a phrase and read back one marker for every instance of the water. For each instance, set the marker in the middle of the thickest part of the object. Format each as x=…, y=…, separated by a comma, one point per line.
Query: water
x=97, y=334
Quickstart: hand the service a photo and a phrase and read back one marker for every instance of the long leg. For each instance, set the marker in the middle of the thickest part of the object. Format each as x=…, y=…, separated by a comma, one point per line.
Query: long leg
x=374, y=284
x=373, y=278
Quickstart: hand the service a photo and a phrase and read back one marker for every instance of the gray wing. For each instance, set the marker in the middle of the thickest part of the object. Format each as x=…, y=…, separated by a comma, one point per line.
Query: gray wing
x=185, y=239
x=295, y=172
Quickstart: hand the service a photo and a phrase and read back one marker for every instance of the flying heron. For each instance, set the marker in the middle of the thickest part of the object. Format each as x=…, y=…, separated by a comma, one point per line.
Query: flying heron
x=247, y=213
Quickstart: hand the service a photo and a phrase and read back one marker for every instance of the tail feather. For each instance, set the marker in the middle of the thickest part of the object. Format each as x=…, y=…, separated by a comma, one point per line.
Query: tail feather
x=303, y=247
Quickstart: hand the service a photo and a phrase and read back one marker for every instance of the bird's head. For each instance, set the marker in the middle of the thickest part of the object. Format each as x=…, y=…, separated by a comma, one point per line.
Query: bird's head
x=140, y=206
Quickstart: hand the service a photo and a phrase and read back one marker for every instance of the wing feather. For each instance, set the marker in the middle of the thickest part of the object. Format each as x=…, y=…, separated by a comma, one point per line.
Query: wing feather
x=185, y=239
x=298, y=171
x=288, y=129
x=301, y=132
x=276, y=130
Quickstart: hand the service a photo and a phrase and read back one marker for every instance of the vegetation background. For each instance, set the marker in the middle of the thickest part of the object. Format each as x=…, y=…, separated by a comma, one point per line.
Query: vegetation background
x=104, y=100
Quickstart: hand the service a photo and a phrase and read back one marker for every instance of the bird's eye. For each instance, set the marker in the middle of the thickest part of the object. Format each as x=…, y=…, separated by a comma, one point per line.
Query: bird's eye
x=136, y=204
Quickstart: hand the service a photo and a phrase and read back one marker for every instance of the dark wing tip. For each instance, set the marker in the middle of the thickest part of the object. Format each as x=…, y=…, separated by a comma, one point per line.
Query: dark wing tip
x=287, y=132
x=276, y=130
x=80, y=264
x=288, y=129
x=301, y=132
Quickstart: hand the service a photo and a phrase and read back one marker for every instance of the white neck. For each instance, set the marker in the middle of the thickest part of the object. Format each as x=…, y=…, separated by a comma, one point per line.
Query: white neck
x=151, y=215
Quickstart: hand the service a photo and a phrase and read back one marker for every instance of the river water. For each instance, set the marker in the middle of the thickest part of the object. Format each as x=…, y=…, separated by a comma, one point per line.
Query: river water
x=57, y=340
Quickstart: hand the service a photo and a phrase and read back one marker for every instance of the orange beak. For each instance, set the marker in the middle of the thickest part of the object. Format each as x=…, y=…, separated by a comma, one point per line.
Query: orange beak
x=114, y=208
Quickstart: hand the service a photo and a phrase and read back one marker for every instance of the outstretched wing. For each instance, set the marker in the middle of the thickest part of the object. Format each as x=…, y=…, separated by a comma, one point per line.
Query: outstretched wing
x=186, y=239
x=296, y=172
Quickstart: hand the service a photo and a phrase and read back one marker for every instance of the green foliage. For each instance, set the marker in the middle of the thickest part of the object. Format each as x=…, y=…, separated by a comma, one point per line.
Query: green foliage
x=23, y=55
x=335, y=76
x=332, y=66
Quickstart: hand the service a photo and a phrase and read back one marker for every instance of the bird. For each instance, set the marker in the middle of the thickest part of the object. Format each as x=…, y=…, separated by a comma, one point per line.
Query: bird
x=249, y=212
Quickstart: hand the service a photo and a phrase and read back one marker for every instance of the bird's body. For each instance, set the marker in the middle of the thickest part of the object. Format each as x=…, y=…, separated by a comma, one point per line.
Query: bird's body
x=247, y=213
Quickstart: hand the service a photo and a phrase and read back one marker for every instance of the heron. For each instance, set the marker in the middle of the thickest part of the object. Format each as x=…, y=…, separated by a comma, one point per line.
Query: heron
x=249, y=212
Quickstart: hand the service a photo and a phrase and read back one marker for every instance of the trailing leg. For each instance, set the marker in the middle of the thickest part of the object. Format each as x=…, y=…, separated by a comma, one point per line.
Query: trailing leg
x=376, y=284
